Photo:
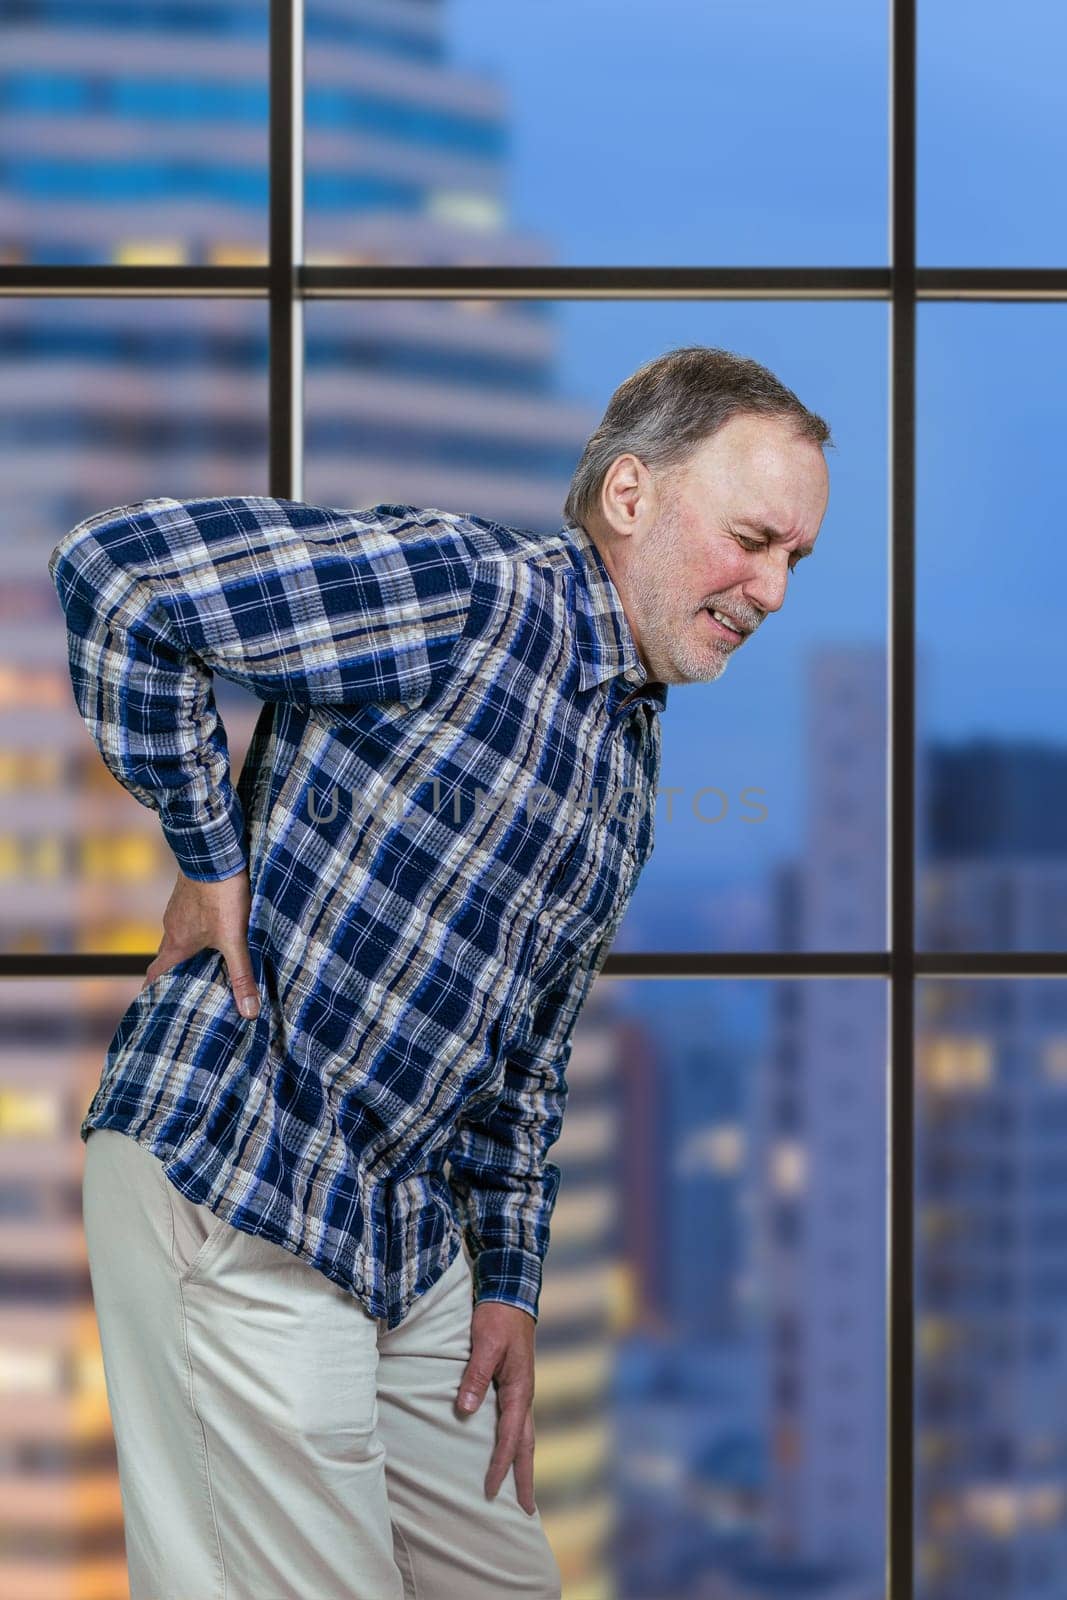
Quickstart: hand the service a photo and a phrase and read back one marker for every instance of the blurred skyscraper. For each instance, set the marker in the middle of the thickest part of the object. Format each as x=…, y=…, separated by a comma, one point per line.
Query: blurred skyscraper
x=991, y=1185
x=824, y=1126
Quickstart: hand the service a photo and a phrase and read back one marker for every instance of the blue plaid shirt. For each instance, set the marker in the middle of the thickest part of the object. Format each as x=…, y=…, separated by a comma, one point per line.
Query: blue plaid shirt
x=446, y=803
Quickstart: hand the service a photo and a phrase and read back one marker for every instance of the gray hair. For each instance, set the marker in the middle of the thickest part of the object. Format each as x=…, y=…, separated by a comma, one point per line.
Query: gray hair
x=665, y=410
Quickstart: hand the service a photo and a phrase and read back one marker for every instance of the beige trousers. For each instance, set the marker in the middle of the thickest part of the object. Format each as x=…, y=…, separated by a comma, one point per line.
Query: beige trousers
x=274, y=1440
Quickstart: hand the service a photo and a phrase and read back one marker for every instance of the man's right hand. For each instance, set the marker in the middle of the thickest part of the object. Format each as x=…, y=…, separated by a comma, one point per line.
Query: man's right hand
x=213, y=915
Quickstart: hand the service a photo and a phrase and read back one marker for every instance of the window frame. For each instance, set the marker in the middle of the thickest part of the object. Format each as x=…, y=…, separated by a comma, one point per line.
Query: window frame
x=286, y=283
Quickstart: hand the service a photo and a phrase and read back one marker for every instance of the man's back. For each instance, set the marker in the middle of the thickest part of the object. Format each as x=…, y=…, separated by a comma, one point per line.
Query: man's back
x=443, y=812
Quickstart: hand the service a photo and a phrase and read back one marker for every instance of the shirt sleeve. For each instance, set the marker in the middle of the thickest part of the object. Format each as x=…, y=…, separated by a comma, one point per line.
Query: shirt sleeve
x=503, y=1186
x=293, y=602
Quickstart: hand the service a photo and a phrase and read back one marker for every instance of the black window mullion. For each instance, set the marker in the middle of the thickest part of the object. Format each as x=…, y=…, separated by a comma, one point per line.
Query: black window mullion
x=286, y=245
x=900, y=1292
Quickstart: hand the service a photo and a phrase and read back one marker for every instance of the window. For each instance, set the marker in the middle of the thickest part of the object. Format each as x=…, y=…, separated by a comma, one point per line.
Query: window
x=491, y=229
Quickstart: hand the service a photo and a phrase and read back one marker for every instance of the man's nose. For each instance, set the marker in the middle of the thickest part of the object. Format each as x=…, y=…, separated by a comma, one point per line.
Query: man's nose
x=766, y=593
x=766, y=589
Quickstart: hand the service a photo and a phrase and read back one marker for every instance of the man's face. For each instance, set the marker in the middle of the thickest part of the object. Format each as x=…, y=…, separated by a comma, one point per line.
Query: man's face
x=690, y=541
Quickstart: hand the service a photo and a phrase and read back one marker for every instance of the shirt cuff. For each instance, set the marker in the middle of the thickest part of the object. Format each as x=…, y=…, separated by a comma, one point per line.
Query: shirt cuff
x=511, y=1275
x=211, y=850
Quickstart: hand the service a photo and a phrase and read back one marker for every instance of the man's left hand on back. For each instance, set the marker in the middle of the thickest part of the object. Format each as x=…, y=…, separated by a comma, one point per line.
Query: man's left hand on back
x=502, y=1348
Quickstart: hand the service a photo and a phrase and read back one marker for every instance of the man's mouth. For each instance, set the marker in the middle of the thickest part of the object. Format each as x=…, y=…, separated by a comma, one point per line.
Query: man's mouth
x=726, y=625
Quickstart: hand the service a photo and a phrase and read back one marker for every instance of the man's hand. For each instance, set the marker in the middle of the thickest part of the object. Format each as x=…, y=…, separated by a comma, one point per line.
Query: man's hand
x=502, y=1347
x=214, y=915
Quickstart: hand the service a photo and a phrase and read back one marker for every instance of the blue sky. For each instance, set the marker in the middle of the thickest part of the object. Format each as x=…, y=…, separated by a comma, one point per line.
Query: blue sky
x=756, y=131
x=682, y=134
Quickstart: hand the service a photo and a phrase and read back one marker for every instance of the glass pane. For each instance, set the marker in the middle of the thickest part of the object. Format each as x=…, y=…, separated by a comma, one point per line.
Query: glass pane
x=992, y=751
x=991, y=1358
x=563, y=133
x=134, y=135
x=992, y=130
x=710, y=1396
x=109, y=402
x=774, y=838
x=749, y=1427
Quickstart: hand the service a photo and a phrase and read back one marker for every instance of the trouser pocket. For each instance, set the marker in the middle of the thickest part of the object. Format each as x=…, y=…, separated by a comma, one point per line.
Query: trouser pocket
x=198, y=1234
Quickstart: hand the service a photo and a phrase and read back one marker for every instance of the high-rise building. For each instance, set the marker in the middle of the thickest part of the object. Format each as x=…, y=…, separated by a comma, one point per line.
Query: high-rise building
x=823, y=1132
x=991, y=1183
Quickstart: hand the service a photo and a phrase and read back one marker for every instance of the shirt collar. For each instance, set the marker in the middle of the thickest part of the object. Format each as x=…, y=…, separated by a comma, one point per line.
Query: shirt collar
x=606, y=647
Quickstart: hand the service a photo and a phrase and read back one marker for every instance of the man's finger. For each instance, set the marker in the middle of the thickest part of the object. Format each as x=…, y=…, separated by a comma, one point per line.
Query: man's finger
x=524, y=1467
x=474, y=1384
x=242, y=979
x=160, y=963
x=511, y=1419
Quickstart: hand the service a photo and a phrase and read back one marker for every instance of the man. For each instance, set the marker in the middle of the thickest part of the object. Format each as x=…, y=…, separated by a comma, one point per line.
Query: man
x=317, y=1194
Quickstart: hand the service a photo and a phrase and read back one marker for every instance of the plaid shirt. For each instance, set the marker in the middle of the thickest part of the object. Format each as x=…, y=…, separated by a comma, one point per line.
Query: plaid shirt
x=445, y=806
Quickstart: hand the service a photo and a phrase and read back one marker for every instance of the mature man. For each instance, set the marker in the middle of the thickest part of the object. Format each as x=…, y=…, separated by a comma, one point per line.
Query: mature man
x=317, y=1194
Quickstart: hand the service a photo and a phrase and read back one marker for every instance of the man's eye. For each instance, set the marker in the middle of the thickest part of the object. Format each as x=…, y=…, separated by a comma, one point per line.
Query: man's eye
x=760, y=544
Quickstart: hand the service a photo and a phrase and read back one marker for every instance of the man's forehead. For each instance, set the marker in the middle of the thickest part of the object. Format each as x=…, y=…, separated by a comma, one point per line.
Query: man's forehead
x=792, y=513
x=774, y=495
x=779, y=463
